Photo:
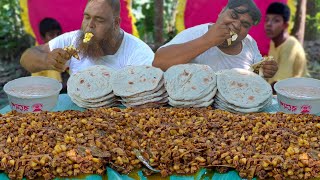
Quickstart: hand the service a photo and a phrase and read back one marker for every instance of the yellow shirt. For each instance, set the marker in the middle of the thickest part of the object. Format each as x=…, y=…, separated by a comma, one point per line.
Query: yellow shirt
x=291, y=59
x=49, y=73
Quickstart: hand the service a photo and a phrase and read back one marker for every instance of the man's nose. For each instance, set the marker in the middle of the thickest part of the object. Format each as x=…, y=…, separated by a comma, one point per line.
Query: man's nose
x=91, y=24
x=236, y=25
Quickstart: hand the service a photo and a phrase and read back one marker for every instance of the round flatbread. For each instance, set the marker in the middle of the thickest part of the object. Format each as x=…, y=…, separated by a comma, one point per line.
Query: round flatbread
x=104, y=98
x=187, y=82
x=158, y=100
x=243, y=110
x=91, y=83
x=133, y=80
x=94, y=105
x=161, y=93
x=207, y=98
x=243, y=88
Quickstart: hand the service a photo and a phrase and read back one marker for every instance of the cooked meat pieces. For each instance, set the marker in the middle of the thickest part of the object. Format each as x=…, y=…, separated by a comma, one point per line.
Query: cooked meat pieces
x=172, y=140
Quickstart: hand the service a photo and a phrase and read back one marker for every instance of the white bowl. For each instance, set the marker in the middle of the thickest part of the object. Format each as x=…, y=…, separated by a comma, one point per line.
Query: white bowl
x=298, y=95
x=33, y=93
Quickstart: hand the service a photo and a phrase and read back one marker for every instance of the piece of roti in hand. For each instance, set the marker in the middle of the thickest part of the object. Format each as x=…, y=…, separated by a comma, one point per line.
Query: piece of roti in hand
x=87, y=37
x=234, y=36
x=257, y=67
x=72, y=51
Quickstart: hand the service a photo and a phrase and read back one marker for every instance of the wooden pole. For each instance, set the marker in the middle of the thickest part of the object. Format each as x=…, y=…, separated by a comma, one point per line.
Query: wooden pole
x=158, y=23
x=300, y=21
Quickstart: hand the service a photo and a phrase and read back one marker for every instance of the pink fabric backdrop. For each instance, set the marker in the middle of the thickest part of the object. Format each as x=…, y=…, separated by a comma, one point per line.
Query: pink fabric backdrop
x=69, y=13
x=204, y=11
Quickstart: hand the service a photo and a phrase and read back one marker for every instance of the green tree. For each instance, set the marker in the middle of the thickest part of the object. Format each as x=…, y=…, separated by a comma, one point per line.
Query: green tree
x=13, y=38
x=313, y=20
x=13, y=41
x=144, y=11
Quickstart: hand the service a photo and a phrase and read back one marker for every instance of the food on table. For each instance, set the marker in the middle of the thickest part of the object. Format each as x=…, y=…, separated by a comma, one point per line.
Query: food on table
x=300, y=91
x=72, y=51
x=190, y=85
x=87, y=37
x=140, y=86
x=143, y=160
x=172, y=140
x=91, y=87
x=242, y=91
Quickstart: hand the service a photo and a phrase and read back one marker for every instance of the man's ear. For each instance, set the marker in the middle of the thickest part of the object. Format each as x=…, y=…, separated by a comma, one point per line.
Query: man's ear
x=286, y=25
x=117, y=21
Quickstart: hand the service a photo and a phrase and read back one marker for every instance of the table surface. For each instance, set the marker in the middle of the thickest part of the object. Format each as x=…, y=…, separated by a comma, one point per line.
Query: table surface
x=65, y=103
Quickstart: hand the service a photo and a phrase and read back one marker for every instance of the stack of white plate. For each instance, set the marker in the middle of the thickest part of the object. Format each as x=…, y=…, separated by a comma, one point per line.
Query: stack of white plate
x=91, y=88
x=190, y=85
x=242, y=91
x=140, y=86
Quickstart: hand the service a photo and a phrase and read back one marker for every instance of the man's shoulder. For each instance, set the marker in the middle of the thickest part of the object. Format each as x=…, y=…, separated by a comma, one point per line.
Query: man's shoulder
x=249, y=39
x=199, y=28
x=131, y=39
x=292, y=43
x=134, y=44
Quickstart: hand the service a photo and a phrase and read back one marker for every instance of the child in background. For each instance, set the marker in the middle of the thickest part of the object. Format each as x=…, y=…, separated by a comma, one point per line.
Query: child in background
x=50, y=28
x=285, y=49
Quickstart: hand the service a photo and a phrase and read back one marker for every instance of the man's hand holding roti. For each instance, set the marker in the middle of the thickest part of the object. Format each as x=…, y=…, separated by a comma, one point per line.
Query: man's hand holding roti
x=57, y=58
x=220, y=32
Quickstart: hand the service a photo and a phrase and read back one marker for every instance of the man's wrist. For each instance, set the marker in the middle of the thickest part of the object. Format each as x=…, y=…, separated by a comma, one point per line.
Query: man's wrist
x=207, y=42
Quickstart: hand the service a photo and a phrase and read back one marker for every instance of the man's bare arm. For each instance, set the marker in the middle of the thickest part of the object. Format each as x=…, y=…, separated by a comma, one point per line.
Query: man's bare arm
x=183, y=53
x=34, y=59
x=180, y=53
x=40, y=58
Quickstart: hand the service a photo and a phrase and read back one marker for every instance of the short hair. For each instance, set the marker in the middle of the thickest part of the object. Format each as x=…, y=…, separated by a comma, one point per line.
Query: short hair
x=252, y=10
x=47, y=25
x=280, y=9
x=115, y=6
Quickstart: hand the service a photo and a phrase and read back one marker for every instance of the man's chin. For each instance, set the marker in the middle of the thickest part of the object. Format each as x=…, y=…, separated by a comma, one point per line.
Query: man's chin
x=223, y=45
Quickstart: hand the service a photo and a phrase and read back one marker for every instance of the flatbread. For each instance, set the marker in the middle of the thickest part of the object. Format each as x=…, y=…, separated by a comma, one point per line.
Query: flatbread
x=91, y=83
x=104, y=98
x=243, y=110
x=158, y=100
x=207, y=98
x=198, y=105
x=161, y=93
x=243, y=88
x=186, y=82
x=94, y=105
x=257, y=67
x=133, y=80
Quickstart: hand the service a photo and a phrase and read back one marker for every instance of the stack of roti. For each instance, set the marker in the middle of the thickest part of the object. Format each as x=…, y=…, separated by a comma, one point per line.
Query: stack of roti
x=190, y=85
x=242, y=91
x=91, y=88
x=140, y=86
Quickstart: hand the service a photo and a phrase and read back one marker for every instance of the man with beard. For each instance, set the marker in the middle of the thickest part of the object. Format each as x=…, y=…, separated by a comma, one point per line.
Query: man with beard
x=286, y=49
x=109, y=46
x=216, y=45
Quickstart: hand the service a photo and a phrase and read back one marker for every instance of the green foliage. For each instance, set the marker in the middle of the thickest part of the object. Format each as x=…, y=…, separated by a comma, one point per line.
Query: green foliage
x=313, y=21
x=12, y=34
x=144, y=12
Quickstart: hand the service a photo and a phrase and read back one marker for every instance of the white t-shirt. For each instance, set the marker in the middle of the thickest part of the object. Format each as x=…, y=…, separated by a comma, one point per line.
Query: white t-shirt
x=132, y=52
x=214, y=57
